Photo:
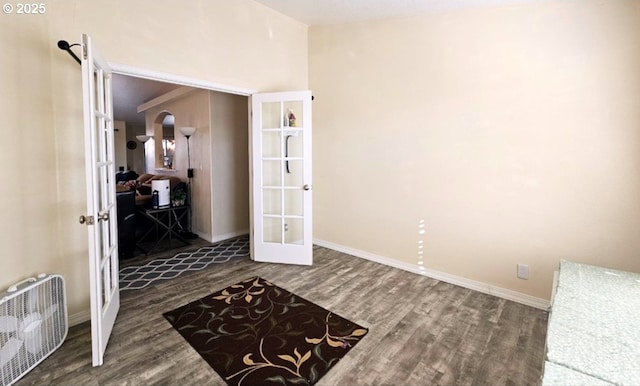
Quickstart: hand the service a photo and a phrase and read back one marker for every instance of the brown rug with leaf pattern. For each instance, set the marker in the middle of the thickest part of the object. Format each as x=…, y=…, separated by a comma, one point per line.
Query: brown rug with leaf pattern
x=256, y=333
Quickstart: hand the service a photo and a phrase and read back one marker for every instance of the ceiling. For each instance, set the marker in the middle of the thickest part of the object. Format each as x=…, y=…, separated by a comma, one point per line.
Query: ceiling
x=316, y=12
x=130, y=92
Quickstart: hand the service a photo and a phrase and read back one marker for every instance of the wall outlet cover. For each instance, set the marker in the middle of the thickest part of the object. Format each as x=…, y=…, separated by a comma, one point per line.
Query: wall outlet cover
x=523, y=271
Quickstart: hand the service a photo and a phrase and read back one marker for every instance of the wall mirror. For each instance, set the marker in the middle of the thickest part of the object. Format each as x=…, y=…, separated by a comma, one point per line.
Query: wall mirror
x=164, y=127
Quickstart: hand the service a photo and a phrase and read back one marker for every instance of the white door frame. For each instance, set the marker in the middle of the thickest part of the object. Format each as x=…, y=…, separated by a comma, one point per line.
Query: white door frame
x=157, y=76
x=138, y=72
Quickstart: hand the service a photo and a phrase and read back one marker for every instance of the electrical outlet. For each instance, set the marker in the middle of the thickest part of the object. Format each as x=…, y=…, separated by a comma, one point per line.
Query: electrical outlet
x=523, y=271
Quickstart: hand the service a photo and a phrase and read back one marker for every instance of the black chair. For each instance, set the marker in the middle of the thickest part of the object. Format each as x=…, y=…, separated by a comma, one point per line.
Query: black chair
x=126, y=203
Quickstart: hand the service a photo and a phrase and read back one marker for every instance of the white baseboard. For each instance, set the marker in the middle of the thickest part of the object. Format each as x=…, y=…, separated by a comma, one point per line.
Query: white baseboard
x=226, y=236
x=79, y=317
x=504, y=293
x=229, y=235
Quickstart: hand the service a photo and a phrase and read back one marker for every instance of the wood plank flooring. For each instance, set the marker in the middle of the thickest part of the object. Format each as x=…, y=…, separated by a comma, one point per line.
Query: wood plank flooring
x=422, y=331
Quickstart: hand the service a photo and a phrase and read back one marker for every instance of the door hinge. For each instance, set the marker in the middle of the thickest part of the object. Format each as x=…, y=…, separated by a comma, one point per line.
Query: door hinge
x=84, y=51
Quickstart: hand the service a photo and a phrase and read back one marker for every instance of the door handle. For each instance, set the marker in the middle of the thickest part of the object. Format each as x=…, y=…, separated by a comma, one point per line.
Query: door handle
x=307, y=187
x=103, y=216
x=286, y=153
x=86, y=220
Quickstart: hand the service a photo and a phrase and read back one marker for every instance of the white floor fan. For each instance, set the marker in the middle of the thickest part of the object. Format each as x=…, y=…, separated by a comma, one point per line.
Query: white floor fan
x=33, y=324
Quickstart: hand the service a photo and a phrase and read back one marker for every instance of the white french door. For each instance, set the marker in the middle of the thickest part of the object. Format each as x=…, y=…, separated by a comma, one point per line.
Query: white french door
x=101, y=201
x=281, y=181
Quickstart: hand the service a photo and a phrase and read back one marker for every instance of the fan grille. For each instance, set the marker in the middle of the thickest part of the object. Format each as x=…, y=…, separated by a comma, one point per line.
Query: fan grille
x=39, y=327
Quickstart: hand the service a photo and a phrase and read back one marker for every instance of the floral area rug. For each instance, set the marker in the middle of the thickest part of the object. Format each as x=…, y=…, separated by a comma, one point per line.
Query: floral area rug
x=256, y=333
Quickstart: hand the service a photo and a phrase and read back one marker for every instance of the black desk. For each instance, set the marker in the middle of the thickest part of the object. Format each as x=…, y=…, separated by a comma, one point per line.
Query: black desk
x=167, y=222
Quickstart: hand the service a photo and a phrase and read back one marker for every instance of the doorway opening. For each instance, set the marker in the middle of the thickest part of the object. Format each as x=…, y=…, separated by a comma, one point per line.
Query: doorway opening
x=220, y=197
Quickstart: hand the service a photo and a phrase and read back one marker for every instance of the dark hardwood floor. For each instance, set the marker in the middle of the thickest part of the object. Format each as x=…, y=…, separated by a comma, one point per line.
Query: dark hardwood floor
x=422, y=331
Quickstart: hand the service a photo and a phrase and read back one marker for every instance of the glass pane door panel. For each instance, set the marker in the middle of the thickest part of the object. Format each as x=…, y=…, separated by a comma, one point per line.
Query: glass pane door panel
x=102, y=147
x=271, y=172
x=106, y=272
x=272, y=230
x=271, y=115
x=100, y=240
x=294, y=231
x=293, y=113
x=96, y=90
x=110, y=240
x=271, y=144
x=294, y=143
x=294, y=202
x=98, y=149
x=101, y=189
x=293, y=176
x=103, y=288
x=272, y=201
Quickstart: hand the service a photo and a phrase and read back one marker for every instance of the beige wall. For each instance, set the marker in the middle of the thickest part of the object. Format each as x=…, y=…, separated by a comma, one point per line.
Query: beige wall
x=239, y=43
x=229, y=165
x=513, y=132
x=135, y=157
x=32, y=209
x=219, y=157
x=191, y=109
